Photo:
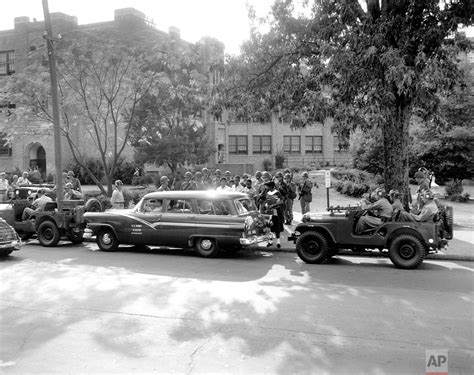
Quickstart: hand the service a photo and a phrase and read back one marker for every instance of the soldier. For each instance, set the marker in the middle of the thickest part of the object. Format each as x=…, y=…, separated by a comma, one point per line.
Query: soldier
x=381, y=211
x=164, y=184
x=188, y=183
x=427, y=213
x=288, y=209
x=306, y=196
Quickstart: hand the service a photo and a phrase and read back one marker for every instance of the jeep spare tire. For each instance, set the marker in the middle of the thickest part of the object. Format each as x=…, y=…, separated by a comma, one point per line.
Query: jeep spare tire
x=406, y=251
x=93, y=205
x=312, y=247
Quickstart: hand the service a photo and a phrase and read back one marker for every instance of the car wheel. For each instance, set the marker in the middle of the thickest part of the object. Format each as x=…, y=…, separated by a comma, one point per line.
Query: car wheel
x=93, y=205
x=75, y=237
x=206, y=247
x=312, y=247
x=5, y=253
x=406, y=251
x=48, y=234
x=106, y=240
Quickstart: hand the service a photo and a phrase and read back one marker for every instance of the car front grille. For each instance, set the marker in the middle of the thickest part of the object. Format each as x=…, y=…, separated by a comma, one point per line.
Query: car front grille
x=7, y=233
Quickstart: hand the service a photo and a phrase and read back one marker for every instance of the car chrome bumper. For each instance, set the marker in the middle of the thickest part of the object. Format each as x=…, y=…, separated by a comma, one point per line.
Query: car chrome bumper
x=88, y=233
x=256, y=239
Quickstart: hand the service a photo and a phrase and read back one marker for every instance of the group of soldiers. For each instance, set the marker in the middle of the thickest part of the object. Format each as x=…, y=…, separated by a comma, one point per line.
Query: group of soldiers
x=382, y=207
x=255, y=186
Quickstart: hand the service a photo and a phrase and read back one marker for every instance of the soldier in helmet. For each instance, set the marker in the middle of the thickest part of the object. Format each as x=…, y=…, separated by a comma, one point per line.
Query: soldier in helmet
x=428, y=211
x=216, y=181
x=381, y=211
x=188, y=183
x=164, y=184
x=288, y=209
x=306, y=196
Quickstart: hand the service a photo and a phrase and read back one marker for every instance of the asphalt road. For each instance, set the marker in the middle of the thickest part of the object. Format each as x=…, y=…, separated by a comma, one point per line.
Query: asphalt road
x=76, y=310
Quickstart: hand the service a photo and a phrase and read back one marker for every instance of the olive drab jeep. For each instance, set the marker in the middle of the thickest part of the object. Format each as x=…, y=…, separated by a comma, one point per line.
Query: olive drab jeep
x=321, y=236
x=49, y=224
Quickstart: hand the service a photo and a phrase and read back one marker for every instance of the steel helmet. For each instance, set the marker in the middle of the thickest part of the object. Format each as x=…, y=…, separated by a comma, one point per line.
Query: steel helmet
x=164, y=179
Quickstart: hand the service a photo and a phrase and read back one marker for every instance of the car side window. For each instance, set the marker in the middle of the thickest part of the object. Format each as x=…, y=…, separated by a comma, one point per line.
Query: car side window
x=152, y=205
x=222, y=208
x=205, y=207
x=180, y=206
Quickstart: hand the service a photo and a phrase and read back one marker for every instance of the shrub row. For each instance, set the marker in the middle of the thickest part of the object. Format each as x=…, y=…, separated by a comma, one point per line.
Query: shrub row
x=353, y=182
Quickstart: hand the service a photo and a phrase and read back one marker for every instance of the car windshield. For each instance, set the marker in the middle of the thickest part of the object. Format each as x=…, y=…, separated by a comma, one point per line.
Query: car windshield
x=244, y=205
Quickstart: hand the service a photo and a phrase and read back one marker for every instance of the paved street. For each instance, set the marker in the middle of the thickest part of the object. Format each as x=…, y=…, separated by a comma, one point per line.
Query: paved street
x=76, y=310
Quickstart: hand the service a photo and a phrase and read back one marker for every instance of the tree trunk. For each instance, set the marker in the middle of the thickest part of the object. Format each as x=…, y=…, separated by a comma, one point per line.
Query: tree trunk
x=395, y=139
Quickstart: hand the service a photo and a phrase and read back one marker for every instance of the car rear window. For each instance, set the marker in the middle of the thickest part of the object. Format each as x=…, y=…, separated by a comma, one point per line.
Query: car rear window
x=244, y=205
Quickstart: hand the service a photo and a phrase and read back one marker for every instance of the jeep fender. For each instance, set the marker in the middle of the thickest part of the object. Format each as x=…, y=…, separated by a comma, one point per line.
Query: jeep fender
x=404, y=230
x=42, y=216
x=320, y=229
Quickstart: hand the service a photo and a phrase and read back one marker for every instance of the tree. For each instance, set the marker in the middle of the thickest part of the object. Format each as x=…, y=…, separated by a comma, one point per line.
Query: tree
x=101, y=79
x=168, y=128
x=367, y=67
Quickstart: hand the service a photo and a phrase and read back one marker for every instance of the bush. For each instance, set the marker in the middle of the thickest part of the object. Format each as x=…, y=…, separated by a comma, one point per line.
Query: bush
x=279, y=160
x=124, y=171
x=143, y=180
x=133, y=196
x=354, y=182
x=267, y=165
x=454, y=188
x=463, y=198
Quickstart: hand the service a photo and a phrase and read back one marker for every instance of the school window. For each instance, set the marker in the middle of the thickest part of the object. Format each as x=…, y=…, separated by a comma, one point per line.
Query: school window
x=291, y=144
x=314, y=144
x=238, y=145
x=262, y=144
x=7, y=62
x=5, y=149
x=340, y=144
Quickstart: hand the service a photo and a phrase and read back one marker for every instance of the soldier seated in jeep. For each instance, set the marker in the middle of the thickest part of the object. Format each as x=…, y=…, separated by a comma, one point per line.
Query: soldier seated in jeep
x=381, y=212
x=428, y=212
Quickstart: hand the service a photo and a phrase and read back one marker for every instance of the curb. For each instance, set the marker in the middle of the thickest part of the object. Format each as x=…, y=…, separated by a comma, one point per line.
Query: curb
x=374, y=254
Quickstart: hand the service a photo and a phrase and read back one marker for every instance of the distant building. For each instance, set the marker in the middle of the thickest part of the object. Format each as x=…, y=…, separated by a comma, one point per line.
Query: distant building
x=236, y=145
x=33, y=146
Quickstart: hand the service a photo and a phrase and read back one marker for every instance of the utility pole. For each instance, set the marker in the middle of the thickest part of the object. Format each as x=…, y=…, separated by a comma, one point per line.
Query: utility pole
x=48, y=36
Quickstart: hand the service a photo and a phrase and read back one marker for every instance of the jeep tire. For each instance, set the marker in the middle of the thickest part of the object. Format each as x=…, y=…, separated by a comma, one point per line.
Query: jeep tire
x=48, y=234
x=406, y=251
x=312, y=247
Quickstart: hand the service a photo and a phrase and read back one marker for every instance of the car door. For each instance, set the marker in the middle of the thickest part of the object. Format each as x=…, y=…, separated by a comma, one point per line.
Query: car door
x=178, y=222
x=147, y=226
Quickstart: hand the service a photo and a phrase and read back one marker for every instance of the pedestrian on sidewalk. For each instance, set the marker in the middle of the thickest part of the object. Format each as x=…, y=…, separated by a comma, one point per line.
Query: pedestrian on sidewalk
x=117, y=200
x=273, y=205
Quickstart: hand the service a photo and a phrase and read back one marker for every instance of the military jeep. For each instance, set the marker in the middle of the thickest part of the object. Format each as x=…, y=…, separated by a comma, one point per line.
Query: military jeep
x=321, y=236
x=49, y=224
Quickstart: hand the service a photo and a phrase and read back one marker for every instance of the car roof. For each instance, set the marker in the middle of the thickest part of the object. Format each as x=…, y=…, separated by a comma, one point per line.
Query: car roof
x=196, y=194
